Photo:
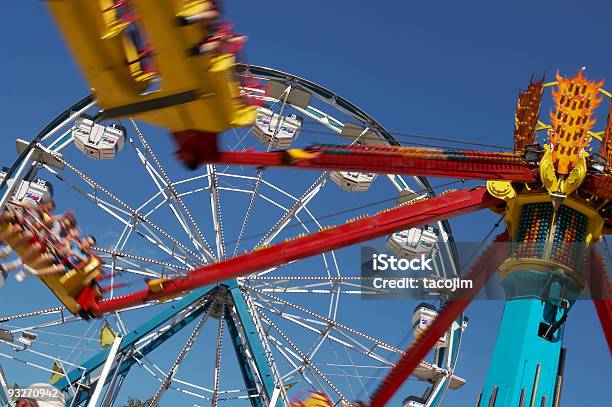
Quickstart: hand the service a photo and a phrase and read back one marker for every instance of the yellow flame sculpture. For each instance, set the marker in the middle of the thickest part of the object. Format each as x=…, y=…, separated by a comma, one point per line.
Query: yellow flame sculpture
x=575, y=101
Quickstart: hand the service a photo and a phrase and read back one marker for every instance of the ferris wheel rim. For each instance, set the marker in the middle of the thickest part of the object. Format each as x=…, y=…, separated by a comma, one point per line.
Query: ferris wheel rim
x=356, y=113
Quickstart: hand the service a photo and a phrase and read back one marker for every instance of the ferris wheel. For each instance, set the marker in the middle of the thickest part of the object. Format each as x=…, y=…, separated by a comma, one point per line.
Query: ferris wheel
x=257, y=340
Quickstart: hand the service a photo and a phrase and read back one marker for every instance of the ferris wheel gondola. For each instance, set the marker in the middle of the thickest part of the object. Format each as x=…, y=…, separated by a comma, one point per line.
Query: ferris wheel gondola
x=255, y=298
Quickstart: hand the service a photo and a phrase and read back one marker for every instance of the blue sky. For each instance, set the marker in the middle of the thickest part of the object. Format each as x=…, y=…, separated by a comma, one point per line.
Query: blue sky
x=447, y=69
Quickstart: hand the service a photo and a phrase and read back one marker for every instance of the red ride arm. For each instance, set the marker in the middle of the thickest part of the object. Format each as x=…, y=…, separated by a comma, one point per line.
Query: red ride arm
x=479, y=273
x=391, y=160
x=601, y=292
x=600, y=185
x=422, y=212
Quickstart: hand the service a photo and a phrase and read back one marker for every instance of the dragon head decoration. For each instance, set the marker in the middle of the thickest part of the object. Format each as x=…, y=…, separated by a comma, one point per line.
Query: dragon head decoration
x=563, y=166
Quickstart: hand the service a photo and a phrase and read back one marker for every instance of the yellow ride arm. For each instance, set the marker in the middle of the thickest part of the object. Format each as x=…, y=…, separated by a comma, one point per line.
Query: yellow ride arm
x=101, y=56
x=195, y=93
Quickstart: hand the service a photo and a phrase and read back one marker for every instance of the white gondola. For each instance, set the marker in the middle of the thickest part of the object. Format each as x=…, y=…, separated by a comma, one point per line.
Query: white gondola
x=413, y=242
x=266, y=128
x=423, y=315
x=27, y=338
x=413, y=401
x=97, y=141
x=353, y=181
x=29, y=193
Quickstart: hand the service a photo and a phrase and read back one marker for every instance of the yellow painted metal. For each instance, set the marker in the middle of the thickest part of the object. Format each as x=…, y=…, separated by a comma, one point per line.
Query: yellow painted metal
x=102, y=60
x=114, y=26
x=512, y=215
x=298, y=154
x=67, y=286
x=501, y=189
x=561, y=184
x=515, y=202
x=195, y=92
x=57, y=374
x=107, y=335
x=157, y=286
x=314, y=400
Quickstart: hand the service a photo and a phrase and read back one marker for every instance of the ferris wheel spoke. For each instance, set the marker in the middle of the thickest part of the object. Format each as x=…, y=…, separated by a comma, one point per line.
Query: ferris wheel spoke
x=334, y=287
x=130, y=224
x=324, y=332
x=332, y=322
x=167, y=200
x=122, y=255
x=36, y=365
x=248, y=211
x=157, y=373
x=305, y=359
x=116, y=270
x=259, y=177
x=215, y=206
x=173, y=194
x=217, y=372
x=186, y=348
x=292, y=211
x=291, y=357
x=43, y=325
x=135, y=214
x=280, y=285
x=48, y=311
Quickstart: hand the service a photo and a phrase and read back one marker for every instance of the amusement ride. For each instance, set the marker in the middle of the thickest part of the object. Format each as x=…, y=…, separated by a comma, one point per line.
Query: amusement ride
x=275, y=298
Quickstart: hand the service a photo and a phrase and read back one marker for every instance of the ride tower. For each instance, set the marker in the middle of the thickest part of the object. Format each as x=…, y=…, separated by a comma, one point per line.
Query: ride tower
x=551, y=225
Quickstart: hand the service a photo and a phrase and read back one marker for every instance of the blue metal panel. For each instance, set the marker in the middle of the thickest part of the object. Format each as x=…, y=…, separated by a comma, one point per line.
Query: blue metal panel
x=248, y=327
x=245, y=368
x=4, y=401
x=255, y=345
x=128, y=363
x=518, y=353
x=134, y=336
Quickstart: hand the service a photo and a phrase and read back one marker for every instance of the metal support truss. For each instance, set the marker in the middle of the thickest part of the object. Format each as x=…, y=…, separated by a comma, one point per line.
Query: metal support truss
x=131, y=339
x=4, y=397
x=254, y=364
x=250, y=350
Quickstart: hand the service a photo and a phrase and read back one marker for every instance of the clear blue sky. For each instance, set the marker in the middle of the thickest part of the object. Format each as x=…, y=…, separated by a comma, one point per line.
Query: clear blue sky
x=447, y=68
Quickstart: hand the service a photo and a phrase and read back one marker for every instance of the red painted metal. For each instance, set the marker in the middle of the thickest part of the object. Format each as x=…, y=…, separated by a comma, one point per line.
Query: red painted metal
x=601, y=292
x=600, y=185
x=479, y=273
x=422, y=212
x=604, y=311
x=390, y=160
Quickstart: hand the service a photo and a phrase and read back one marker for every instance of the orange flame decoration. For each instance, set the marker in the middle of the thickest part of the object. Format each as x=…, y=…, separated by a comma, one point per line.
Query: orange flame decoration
x=575, y=100
x=606, y=142
x=527, y=114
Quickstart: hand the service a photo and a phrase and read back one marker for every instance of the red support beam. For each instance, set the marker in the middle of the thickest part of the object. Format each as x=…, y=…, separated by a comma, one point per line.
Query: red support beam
x=479, y=273
x=601, y=293
x=600, y=185
x=604, y=311
x=392, y=160
x=422, y=212
x=197, y=147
